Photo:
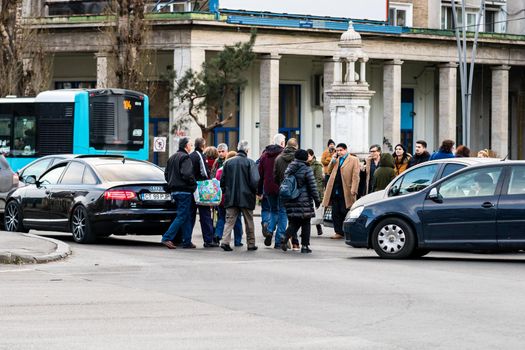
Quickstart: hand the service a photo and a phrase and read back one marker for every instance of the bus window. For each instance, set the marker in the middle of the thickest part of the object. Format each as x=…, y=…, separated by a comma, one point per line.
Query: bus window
x=24, y=136
x=5, y=134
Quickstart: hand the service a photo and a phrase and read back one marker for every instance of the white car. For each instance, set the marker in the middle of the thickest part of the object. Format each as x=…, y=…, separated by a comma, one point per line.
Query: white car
x=420, y=176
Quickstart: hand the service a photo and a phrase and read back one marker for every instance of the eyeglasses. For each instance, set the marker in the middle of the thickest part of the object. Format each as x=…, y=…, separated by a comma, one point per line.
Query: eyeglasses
x=373, y=150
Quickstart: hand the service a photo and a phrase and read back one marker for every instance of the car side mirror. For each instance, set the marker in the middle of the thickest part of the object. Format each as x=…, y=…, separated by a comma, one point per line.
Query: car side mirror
x=435, y=196
x=30, y=180
x=393, y=191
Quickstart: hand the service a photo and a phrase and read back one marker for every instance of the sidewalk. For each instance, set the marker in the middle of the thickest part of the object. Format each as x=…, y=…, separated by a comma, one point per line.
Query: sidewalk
x=25, y=248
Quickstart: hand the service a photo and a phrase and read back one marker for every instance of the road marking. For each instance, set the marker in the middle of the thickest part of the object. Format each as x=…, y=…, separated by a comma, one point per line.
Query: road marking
x=1, y=271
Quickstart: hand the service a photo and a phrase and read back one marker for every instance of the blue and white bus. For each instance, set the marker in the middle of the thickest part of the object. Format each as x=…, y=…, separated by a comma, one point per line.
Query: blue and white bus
x=78, y=121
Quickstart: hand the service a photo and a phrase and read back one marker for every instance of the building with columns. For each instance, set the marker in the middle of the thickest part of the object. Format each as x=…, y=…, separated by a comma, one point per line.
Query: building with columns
x=410, y=65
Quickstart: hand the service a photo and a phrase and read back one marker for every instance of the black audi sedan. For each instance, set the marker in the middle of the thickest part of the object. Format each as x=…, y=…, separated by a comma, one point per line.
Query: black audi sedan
x=478, y=208
x=93, y=196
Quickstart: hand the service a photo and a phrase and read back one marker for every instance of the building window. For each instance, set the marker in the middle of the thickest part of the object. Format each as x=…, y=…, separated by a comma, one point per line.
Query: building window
x=492, y=21
x=400, y=15
x=72, y=8
x=75, y=85
x=447, y=18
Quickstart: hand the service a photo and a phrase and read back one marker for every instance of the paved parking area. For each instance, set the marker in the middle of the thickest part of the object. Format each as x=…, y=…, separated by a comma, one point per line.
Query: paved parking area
x=131, y=293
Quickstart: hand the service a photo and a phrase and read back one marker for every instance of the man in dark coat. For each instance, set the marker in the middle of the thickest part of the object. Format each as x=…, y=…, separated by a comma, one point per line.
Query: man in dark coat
x=239, y=181
x=271, y=217
x=300, y=210
x=421, y=155
x=202, y=172
x=181, y=185
x=281, y=163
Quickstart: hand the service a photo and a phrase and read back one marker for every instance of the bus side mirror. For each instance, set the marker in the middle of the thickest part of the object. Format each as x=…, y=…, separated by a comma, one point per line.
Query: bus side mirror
x=435, y=196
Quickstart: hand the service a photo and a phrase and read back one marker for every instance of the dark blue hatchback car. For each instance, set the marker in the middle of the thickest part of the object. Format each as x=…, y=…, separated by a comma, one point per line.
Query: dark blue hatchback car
x=480, y=207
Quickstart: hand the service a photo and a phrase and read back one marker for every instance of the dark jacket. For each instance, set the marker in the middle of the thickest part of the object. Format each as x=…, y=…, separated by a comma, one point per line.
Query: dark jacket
x=302, y=207
x=239, y=182
x=385, y=173
x=318, y=171
x=441, y=155
x=179, y=173
x=281, y=163
x=195, y=159
x=267, y=183
x=419, y=158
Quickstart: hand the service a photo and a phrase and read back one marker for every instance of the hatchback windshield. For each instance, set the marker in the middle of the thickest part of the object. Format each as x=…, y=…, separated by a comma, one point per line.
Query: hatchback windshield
x=129, y=171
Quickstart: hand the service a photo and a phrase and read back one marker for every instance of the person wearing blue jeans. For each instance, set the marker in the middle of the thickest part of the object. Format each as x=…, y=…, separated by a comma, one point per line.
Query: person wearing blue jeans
x=182, y=222
x=181, y=184
x=237, y=229
x=277, y=218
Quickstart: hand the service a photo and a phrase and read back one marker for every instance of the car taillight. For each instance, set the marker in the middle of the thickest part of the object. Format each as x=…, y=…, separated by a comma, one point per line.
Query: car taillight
x=16, y=180
x=119, y=195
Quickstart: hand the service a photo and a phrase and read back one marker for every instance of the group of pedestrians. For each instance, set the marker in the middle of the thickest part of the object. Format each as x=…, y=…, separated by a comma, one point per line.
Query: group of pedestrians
x=281, y=219
x=335, y=182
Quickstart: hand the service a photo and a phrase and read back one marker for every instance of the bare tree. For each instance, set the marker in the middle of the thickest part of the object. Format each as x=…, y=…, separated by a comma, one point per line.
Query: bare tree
x=132, y=61
x=25, y=66
x=214, y=89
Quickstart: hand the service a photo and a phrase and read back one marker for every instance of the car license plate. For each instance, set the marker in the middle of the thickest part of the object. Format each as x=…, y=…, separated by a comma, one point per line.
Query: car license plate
x=156, y=197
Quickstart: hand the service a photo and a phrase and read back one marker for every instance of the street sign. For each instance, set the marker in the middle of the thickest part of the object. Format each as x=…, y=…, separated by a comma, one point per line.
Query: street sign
x=159, y=144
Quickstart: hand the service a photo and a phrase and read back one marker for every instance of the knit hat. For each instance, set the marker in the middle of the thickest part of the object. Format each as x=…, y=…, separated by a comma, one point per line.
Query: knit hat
x=301, y=154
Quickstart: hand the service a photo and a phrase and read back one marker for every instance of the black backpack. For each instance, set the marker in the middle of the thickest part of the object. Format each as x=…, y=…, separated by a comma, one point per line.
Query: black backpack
x=288, y=189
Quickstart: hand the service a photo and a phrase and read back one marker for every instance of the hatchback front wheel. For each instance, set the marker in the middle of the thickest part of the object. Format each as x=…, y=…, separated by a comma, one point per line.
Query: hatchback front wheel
x=393, y=238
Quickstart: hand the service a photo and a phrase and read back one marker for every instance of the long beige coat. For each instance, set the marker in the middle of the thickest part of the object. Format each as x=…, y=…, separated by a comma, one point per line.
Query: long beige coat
x=350, y=177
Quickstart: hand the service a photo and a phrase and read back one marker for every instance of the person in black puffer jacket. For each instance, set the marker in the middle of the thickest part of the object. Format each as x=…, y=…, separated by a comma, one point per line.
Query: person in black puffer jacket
x=301, y=209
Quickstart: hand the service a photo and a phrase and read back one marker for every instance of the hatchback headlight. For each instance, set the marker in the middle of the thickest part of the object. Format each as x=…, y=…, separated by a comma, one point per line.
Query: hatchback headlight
x=355, y=213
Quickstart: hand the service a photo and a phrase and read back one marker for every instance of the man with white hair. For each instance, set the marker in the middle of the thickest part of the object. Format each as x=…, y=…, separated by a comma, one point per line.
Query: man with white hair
x=268, y=191
x=222, y=148
x=239, y=185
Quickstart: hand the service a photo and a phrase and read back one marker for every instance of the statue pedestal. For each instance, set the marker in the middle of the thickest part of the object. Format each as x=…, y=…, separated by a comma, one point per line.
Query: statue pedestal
x=349, y=111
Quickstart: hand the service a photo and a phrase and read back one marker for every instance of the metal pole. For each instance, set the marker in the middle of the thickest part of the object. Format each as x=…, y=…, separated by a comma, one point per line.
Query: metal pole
x=472, y=62
x=461, y=67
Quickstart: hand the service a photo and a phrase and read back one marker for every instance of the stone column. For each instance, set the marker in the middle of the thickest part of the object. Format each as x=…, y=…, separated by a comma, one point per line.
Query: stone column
x=392, y=102
x=447, y=102
x=500, y=110
x=328, y=78
x=338, y=71
x=362, y=70
x=106, y=77
x=269, y=100
x=184, y=58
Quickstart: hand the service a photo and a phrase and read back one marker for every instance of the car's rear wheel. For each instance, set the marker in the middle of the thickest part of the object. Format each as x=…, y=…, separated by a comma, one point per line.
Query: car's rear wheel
x=393, y=238
x=13, y=218
x=81, y=227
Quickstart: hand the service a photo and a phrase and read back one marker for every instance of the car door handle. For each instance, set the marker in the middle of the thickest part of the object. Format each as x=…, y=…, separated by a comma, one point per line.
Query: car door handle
x=487, y=205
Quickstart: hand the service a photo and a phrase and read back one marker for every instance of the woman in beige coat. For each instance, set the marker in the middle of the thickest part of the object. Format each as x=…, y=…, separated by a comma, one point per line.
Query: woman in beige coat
x=341, y=189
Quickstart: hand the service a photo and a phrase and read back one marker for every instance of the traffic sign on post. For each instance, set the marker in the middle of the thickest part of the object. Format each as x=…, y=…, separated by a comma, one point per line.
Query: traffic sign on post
x=159, y=144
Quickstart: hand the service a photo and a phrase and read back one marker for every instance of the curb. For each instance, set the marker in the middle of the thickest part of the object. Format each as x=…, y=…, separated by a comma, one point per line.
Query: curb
x=62, y=251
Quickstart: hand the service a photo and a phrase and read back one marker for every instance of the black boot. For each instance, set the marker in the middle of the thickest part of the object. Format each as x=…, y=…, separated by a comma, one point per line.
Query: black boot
x=305, y=249
x=319, y=229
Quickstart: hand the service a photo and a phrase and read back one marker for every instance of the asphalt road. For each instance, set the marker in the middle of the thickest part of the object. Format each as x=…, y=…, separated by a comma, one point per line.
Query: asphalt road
x=132, y=293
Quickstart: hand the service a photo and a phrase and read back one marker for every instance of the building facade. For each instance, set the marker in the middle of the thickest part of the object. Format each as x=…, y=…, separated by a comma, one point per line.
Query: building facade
x=412, y=67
